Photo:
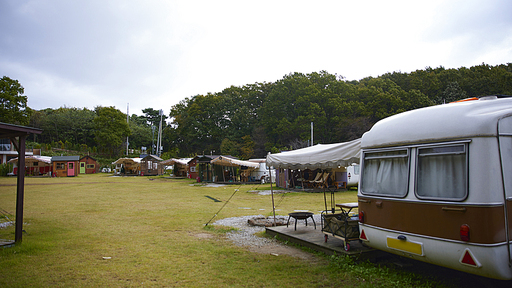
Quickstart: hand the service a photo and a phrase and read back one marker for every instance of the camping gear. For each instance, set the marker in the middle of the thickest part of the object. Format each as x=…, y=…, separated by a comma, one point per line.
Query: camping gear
x=300, y=216
x=341, y=225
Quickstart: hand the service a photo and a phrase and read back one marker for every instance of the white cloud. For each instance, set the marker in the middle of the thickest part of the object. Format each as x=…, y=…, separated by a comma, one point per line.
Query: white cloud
x=91, y=53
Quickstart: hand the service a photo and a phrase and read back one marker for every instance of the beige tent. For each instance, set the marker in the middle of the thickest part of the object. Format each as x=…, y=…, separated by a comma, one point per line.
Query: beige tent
x=131, y=165
x=245, y=167
x=230, y=162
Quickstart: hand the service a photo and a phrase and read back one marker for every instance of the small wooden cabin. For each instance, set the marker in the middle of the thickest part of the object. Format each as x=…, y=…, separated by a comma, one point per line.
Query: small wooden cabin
x=88, y=165
x=65, y=166
x=150, y=166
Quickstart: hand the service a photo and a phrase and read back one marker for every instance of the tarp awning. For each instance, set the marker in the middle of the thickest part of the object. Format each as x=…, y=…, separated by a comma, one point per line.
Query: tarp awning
x=182, y=161
x=35, y=158
x=320, y=156
x=225, y=161
x=127, y=161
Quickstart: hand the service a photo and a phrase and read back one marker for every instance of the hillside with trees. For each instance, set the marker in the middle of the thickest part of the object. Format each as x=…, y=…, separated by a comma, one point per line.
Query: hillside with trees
x=254, y=119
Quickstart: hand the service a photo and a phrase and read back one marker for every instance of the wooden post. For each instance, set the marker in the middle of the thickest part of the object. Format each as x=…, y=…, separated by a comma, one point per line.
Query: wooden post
x=21, y=190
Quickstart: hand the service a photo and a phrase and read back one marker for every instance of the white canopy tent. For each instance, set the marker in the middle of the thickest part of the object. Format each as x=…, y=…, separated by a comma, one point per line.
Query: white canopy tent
x=320, y=156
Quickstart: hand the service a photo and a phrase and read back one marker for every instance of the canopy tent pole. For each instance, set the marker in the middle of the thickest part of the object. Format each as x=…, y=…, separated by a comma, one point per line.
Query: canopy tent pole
x=302, y=177
x=325, y=198
x=325, y=202
x=272, y=193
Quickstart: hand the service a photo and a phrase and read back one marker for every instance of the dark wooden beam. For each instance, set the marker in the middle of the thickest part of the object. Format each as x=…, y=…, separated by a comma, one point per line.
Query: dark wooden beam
x=21, y=191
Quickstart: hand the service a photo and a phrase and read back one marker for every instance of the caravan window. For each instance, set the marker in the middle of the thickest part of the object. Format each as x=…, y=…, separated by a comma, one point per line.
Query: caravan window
x=385, y=173
x=356, y=169
x=442, y=172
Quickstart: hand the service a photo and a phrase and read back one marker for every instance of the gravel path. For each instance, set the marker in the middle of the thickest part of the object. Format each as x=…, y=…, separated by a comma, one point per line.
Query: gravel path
x=244, y=236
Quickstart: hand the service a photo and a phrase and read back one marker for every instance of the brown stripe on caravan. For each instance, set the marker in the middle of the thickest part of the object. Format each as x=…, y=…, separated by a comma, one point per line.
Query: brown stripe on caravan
x=436, y=220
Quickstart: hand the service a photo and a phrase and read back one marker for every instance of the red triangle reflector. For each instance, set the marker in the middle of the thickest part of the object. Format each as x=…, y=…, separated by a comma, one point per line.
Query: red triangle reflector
x=469, y=259
x=363, y=235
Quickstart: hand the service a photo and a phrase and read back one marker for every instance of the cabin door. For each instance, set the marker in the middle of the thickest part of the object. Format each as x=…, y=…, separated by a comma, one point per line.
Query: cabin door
x=71, y=169
x=82, y=167
x=505, y=146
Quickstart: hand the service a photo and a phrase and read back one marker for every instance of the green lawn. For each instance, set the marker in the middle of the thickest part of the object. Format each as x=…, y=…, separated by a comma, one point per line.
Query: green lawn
x=153, y=231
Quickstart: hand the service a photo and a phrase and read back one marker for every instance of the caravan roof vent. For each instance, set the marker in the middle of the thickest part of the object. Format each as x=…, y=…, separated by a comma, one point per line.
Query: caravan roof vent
x=488, y=98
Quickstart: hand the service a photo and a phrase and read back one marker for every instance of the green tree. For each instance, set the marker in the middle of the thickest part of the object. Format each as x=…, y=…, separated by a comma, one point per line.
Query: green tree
x=152, y=117
x=453, y=92
x=247, y=147
x=13, y=104
x=228, y=147
x=140, y=133
x=111, y=130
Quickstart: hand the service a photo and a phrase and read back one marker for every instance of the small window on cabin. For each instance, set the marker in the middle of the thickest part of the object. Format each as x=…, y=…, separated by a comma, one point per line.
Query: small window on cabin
x=385, y=173
x=442, y=172
x=5, y=144
x=90, y=166
x=35, y=164
x=60, y=166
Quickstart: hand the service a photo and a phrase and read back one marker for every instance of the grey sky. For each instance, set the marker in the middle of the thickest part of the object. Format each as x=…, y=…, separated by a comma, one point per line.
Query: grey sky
x=156, y=53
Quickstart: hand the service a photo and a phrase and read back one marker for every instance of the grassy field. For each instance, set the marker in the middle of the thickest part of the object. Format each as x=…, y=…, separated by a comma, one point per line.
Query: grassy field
x=153, y=232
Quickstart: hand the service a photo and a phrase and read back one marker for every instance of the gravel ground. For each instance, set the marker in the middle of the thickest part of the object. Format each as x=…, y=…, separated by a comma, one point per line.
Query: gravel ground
x=244, y=236
x=6, y=224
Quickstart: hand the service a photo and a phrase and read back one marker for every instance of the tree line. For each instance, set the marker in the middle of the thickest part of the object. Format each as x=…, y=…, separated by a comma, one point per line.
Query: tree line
x=254, y=119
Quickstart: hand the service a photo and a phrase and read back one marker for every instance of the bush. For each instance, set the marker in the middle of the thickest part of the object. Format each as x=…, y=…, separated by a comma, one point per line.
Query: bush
x=5, y=168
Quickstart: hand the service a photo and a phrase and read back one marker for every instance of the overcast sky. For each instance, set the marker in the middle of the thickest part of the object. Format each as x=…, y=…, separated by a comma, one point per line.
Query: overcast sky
x=157, y=53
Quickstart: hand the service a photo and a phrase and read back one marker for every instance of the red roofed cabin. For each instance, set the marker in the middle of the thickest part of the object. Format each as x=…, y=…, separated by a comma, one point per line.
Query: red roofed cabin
x=88, y=165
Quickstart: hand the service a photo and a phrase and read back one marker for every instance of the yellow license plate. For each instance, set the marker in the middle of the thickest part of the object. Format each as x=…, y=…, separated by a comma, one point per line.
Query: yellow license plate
x=405, y=246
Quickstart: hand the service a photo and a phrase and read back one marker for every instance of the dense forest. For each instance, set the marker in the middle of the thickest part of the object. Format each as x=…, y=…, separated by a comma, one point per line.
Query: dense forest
x=255, y=119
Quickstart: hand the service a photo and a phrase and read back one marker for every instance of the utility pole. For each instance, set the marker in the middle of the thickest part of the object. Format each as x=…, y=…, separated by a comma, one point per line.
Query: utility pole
x=152, y=139
x=127, y=122
x=311, y=133
x=159, y=140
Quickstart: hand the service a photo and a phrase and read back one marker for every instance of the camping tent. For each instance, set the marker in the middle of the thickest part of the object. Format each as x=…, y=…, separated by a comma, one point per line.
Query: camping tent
x=320, y=156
